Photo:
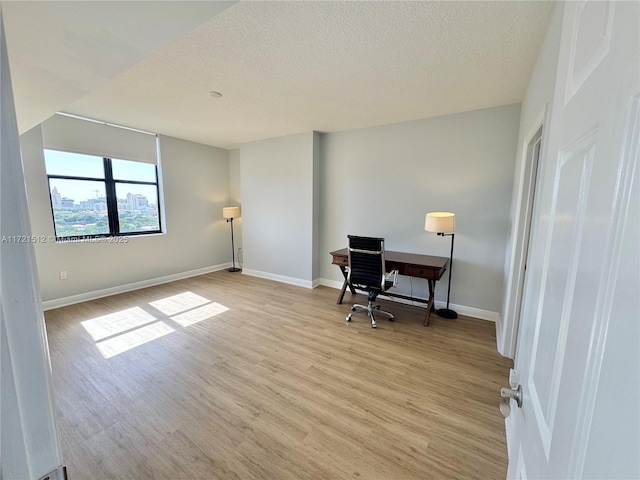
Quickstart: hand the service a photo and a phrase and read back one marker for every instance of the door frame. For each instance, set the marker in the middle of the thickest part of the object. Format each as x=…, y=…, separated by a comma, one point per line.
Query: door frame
x=521, y=231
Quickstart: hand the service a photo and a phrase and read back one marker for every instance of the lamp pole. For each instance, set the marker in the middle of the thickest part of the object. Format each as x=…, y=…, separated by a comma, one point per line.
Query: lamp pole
x=446, y=312
x=233, y=250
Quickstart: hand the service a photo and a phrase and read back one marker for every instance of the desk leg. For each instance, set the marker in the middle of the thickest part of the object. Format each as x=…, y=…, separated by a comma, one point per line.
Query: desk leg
x=343, y=269
x=432, y=291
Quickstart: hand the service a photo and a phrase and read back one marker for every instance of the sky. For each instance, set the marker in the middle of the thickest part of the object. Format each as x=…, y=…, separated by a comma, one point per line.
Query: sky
x=73, y=164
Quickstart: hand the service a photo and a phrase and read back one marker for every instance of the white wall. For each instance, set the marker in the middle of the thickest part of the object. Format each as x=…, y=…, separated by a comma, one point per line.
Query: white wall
x=382, y=181
x=535, y=109
x=277, y=207
x=196, y=187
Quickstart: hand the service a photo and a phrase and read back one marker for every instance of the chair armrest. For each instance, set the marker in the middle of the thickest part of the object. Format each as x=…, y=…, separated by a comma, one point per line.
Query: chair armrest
x=395, y=276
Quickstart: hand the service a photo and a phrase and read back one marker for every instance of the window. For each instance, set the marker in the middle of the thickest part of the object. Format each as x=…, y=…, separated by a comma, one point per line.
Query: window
x=95, y=197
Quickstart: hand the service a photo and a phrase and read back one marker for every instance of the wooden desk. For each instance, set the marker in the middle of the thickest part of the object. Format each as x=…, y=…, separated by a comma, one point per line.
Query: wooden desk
x=409, y=264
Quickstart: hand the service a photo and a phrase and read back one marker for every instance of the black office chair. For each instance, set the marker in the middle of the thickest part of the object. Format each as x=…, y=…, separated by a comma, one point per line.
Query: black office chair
x=367, y=272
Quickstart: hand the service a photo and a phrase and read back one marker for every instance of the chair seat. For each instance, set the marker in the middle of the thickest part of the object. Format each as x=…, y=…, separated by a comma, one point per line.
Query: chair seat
x=387, y=285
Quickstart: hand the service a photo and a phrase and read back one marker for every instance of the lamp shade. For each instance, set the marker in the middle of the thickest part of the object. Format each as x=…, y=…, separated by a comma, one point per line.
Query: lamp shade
x=440, y=222
x=230, y=212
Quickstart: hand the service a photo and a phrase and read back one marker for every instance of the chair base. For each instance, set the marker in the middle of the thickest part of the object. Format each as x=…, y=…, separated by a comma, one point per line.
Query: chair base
x=234, y=269
x=369, y=309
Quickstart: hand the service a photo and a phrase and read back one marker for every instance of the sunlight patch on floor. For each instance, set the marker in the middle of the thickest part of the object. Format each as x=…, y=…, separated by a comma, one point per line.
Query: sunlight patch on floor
x=132, y=339
x=126, y=329
x=179, y=303
x=116, y=323
x=198, y=314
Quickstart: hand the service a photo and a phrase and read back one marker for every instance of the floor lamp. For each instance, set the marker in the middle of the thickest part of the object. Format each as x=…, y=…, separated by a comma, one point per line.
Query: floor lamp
x=230, y=213
x=443, y=223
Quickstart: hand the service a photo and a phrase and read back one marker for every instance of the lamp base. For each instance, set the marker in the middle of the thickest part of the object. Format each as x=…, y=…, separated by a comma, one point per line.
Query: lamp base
x=234, y=269
x=446, y=313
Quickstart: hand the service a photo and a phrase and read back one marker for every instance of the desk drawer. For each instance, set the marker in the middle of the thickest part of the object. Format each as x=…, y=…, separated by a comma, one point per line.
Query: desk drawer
x=421, y=272
x=340, y=261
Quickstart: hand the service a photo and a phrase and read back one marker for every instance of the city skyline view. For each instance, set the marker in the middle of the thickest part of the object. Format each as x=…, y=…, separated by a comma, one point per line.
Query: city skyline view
x=79, y=199
x=128, y=201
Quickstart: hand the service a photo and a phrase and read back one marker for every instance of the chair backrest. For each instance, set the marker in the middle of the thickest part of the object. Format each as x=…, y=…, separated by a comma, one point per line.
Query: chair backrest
x=366, y=262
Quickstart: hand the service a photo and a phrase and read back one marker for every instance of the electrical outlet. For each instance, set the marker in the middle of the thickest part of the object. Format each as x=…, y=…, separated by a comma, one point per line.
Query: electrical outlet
x=63, y=275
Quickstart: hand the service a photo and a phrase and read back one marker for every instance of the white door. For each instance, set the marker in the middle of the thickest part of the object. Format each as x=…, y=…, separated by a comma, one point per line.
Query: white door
x=29, y=446
x=578, y=355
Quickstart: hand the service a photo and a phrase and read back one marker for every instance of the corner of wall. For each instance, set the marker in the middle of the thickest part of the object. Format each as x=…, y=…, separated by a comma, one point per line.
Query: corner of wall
x=316, y=234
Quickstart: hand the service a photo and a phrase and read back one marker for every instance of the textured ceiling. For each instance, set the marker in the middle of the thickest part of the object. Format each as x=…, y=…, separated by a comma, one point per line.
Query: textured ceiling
x=60, y=51
x=289, y=67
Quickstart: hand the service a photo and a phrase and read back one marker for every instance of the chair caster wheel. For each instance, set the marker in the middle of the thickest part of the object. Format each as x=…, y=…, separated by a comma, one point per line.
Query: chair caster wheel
x=373, y=326
x=348, y=319
x=353, y=309
x=391, y=319
x=377, y=307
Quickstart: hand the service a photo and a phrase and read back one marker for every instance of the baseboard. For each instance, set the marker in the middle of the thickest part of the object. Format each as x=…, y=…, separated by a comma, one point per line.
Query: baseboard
x=471, y=312
x=461, y=309
x=106, y=292
x=280, y=278
x=325, y=282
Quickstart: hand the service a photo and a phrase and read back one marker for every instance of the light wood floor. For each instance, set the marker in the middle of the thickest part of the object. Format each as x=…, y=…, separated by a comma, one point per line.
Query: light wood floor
x=276, y=387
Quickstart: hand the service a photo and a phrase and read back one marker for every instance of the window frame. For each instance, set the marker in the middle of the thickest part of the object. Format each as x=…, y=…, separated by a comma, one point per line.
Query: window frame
x=111, y=200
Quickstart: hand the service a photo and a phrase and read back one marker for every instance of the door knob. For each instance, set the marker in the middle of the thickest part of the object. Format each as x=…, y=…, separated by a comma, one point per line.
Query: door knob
x=506, y=394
